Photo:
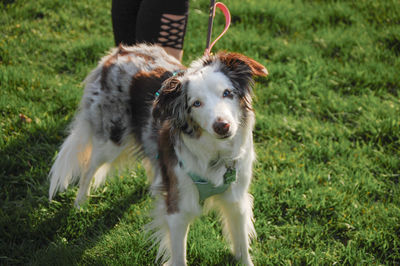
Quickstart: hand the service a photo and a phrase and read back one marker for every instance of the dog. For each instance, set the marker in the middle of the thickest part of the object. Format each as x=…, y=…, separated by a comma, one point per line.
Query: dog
x=192, y=127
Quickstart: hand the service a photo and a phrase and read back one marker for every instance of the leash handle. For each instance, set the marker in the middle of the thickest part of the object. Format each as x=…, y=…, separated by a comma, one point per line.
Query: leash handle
x=227, y=15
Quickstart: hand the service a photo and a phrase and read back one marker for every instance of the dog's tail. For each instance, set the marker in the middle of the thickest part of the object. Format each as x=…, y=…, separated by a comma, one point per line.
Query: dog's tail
x=72, y=160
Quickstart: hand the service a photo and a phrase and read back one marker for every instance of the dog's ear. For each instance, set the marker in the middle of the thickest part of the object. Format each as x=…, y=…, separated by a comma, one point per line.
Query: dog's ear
x=240, y=63
x=240, y=69
x=170, y=103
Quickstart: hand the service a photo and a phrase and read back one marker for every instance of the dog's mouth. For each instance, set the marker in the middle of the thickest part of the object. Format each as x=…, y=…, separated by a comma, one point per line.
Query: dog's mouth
x=226, y=136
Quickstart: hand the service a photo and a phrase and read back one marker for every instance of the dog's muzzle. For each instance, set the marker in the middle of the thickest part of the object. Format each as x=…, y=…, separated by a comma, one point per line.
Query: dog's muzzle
x=221, y=127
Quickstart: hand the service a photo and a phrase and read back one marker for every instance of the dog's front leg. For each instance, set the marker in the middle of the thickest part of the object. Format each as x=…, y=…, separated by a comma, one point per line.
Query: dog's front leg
x=178, y=225
x=238, y=226
x=236, y=206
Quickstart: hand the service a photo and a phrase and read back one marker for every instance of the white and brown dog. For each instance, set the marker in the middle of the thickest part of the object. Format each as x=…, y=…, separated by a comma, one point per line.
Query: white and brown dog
x=193, y=126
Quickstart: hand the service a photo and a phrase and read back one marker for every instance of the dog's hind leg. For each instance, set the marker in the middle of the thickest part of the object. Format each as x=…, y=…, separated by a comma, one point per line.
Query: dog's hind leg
x=84, y=183
x=103, y=155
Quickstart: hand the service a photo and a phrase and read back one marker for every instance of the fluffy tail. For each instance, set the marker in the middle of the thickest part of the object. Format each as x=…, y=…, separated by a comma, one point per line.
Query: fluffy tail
x=72, y=160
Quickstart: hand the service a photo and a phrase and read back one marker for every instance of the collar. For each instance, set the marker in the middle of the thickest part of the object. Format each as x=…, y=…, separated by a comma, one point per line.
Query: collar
x=207, y=189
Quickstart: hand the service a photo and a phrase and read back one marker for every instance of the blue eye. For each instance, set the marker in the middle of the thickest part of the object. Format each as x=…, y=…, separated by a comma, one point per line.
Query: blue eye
x=227, y=93
x=196, y=104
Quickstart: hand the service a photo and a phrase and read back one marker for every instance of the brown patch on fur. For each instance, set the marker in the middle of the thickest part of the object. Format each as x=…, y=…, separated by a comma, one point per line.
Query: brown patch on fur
x=145, y=57
x=168, y=160
x=196, y=129
x=143, y=87
x=192, y=129
x=104, y=73
x=122, y=51
x=234, y=60
x=164, y=105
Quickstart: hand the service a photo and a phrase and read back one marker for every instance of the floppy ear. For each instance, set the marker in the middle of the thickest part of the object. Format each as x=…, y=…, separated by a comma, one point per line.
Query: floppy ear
x=170, y=103
x=239, y=62
x=240, y=68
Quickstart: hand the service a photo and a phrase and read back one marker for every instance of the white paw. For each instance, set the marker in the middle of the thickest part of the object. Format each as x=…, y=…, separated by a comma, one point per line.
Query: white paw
x=175, y=264
x=245, y=259
x=80, y=203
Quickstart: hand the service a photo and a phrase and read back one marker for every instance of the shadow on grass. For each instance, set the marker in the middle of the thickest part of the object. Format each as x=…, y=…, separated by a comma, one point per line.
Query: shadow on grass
x=23, y=168
x=26, y=160
x=81, y=229
x=30, y=225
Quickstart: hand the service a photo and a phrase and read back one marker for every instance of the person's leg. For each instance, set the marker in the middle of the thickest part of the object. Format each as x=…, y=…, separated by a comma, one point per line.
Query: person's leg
x=163, y=22
x=124, y=17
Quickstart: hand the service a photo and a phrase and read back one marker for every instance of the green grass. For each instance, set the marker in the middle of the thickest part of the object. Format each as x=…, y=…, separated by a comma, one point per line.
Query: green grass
x=326, y=184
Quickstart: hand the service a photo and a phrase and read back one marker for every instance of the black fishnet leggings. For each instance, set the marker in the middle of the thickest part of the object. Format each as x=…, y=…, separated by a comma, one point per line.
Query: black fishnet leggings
x=151, y=21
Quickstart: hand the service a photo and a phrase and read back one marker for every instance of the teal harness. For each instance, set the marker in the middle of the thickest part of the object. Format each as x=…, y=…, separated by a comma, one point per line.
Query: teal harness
x=206, y=189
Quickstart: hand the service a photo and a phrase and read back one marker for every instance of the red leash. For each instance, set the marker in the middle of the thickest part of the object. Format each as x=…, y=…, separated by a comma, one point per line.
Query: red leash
x=227, y=15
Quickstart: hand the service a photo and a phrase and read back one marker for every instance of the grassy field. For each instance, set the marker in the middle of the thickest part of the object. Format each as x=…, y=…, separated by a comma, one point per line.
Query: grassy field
x=326, y=184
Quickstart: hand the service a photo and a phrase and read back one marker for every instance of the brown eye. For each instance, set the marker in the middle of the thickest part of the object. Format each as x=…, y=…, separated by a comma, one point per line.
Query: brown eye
x=196, y=104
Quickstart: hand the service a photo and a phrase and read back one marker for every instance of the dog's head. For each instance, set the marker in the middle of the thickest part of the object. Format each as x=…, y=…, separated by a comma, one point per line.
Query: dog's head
x=213, y=96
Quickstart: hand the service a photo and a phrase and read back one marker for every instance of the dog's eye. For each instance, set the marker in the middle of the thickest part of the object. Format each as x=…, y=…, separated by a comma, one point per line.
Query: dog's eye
x=197, y=103
x=227, y=93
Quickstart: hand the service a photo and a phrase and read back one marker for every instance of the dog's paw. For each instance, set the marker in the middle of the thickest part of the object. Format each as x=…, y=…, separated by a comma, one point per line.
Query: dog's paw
x=170, y=263
x=245, y=259
x=81, y=204
x=246, y=262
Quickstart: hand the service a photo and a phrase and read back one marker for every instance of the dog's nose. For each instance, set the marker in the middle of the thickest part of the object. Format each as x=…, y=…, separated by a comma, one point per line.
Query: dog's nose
x=221, y=127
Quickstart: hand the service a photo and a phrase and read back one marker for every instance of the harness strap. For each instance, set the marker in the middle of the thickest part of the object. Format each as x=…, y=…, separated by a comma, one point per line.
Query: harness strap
x=206, y=189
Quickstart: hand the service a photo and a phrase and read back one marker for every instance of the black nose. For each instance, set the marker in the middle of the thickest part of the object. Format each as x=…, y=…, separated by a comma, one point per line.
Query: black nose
x=221, y=127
